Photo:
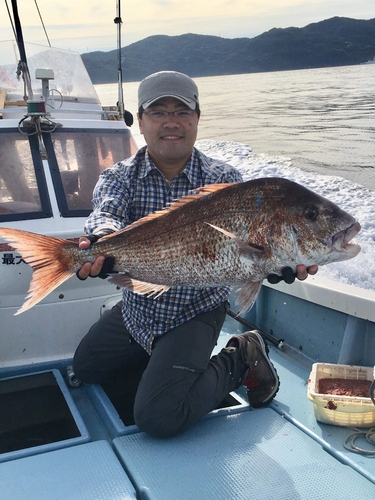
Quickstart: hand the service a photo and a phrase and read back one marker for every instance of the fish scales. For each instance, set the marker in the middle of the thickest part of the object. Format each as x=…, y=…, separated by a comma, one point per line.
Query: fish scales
x=225, y=234
x=178, y=234
x=184, y=249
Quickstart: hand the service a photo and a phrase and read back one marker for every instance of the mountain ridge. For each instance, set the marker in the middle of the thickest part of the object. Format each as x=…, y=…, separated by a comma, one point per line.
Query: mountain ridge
x=338, y=41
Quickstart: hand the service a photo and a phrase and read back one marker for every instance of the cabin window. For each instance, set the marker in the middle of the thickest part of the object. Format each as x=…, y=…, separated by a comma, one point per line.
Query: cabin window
x=20, y=181
x=81, y=157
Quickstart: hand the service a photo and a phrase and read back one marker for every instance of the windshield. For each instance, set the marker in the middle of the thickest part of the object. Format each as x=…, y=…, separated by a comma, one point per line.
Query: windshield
x=80, y=158
x=76, y=158
x=19, y=191
x=71, y=79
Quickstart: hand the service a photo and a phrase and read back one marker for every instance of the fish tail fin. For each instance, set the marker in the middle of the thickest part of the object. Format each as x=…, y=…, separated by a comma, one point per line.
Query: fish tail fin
x=45, y=254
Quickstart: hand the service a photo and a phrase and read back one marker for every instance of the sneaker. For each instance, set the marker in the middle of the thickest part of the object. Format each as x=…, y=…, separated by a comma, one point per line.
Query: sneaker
x=261, y=379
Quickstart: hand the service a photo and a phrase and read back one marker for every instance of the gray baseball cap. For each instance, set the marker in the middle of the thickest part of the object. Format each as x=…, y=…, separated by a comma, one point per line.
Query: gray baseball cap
x=167, y=84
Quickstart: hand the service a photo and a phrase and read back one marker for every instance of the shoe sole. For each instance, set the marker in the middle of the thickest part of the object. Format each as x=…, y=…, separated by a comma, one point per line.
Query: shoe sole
x=265, y=351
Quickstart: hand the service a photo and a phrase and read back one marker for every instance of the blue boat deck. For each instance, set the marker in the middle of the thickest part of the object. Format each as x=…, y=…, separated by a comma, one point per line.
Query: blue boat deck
x=278, y=452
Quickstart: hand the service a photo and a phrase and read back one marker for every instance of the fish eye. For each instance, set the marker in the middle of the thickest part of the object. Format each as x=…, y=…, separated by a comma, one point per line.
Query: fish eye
x=311, y=212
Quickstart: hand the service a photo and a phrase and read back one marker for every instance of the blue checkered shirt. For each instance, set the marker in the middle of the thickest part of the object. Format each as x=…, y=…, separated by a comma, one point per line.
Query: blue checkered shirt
x=132, y=189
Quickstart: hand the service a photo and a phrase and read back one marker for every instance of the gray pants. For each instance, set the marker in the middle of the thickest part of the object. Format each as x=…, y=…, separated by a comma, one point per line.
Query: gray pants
x=180, y=382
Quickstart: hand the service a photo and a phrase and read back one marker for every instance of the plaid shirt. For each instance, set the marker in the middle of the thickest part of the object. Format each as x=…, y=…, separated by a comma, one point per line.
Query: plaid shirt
x=132, y=189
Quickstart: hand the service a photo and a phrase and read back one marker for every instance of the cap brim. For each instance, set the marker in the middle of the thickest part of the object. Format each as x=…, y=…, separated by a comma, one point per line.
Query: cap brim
x=191, y=103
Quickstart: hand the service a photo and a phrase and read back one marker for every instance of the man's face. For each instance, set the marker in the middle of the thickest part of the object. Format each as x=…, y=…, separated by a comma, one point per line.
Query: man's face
x=170, y=139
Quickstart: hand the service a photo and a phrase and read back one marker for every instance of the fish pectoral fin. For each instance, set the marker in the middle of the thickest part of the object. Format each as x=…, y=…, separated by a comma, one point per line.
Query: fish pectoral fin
x=246, y=294
x=139, y=287
x=248, y=250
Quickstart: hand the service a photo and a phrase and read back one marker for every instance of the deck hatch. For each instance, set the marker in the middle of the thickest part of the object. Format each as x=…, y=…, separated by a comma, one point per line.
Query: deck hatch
x=36, y=415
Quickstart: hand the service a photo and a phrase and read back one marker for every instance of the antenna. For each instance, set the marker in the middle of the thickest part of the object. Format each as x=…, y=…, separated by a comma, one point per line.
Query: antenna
x=21, y=47
x=41, y=20
x=118, y=21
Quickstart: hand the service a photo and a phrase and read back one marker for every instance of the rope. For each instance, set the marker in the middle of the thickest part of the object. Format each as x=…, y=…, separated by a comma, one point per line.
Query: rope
x=350, y=445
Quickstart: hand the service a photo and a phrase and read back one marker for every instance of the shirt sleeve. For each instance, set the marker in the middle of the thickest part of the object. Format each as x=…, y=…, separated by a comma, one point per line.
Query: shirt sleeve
x=110, y=204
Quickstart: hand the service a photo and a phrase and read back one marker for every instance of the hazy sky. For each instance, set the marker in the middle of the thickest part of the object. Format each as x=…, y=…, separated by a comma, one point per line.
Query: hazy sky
x=87, y=25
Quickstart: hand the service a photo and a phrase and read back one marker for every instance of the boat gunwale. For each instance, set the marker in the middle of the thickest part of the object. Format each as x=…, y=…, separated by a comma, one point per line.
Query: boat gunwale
x=348, y=299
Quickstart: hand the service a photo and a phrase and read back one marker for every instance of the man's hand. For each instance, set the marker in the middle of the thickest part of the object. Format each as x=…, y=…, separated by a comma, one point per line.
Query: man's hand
x=303, y=272
x=89, y=268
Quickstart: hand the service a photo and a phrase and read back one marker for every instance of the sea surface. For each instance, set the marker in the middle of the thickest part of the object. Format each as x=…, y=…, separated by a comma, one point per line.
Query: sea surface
x=315, y=126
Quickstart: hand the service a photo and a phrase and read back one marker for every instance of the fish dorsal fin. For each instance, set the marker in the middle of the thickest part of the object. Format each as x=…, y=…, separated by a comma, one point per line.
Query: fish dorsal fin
x=139, y=287
x=184, y=200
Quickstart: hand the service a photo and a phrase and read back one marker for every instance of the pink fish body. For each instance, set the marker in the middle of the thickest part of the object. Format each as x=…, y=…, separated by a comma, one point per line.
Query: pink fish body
x=226, y=234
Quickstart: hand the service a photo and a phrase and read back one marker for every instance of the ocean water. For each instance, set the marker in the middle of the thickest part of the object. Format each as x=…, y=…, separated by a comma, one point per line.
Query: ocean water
x=316, y=127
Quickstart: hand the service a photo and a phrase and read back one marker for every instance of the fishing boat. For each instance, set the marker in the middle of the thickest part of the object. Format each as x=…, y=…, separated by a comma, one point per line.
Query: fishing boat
x=62, y=439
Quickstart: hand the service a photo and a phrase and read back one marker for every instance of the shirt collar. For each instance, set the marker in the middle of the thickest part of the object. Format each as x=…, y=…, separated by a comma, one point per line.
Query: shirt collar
x=145, y=162
x=191, y=171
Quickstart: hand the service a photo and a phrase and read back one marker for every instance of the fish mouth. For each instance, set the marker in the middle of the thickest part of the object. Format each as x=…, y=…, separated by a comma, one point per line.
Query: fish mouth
x=341, y=241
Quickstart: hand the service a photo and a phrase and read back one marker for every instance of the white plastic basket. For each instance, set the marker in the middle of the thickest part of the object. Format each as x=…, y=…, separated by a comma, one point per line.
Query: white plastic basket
x=341, y=410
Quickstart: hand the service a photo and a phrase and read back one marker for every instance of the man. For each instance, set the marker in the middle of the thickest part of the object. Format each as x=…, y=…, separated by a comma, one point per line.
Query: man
x=173, y=336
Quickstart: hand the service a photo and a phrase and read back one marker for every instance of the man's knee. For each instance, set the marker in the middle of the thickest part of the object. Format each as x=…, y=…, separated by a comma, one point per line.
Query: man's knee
x=85, y=371
x=161, y=424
